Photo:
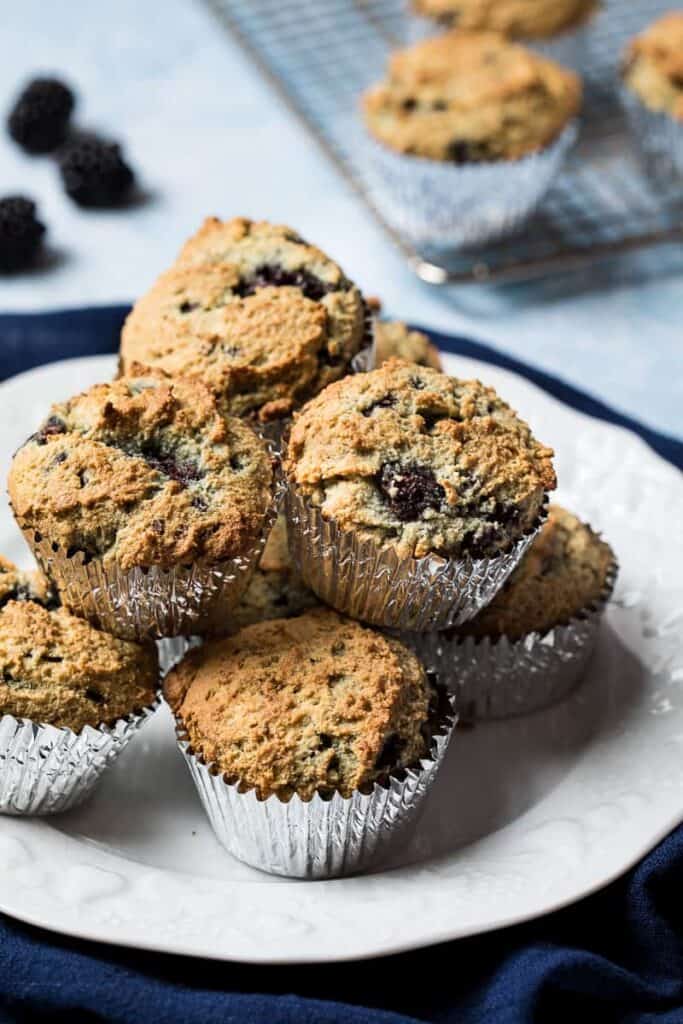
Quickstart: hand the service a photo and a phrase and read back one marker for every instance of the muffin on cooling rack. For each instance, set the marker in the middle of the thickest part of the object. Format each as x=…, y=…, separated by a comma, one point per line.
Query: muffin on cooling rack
x=17, y=585
x=529, y=647
x=412, y=495
x=254, y=312
x=311, y=740
x=652, y=93
x=145, y=506
x=71, y=698
x=394, y=339
x=466, y=134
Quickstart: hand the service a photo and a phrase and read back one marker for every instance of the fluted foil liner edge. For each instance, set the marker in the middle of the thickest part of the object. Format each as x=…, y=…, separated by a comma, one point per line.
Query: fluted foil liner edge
x=46, y=769
x=319, y=838
x=506, y=678
x=376, y=585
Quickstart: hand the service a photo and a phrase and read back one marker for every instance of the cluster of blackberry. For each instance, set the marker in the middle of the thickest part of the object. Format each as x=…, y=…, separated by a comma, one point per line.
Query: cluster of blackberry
x=93, y=170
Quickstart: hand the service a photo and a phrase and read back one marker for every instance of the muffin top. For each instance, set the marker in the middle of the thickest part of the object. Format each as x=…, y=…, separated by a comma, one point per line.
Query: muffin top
x=17, y=585
x=314, y=703
x=519, y=19
x=653, y=66
x=253, y=311
x=144, y=471
x=276, y=591
x=57, y=669
x=470, y=97
x=420, y=461
x=394, y=339
x=564, y=572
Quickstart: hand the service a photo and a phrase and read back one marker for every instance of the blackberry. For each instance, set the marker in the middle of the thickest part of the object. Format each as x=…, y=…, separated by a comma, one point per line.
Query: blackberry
x=21, y=233
x=39, y=119
x=93, y=171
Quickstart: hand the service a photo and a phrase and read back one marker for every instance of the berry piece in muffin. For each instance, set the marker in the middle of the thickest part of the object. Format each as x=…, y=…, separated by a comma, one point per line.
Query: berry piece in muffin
x=40, y=116
x=394, y=339
x=276, y=590
x=519, y=19
x=470, y=97
x=254, y=312
x=317, y=703
x=144, y=471
x=421, y=462
x=653, y=66
x=564, y=572
x=17, y=585
x=56, y=669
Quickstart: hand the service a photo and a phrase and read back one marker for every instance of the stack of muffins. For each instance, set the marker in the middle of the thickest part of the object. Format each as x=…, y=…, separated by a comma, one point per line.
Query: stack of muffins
x=415, y=524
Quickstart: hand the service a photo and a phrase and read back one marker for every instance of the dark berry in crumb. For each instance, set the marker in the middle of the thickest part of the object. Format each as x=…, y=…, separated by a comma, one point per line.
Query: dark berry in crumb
x=94, y=173
x=21, y=233
x=409, y=490
x=39, y=119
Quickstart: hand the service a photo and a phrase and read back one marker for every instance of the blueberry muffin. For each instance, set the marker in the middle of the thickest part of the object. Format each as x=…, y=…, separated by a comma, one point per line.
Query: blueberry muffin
x=316, y=703
x=144, y=476
x=276, y=590
x=653, y=66
x=16, y=585
x=56, y=669
x=470, y=98
x=518, y=19
x=420, y=462
x=394, y=339
x=564, y=572
x=261, y=317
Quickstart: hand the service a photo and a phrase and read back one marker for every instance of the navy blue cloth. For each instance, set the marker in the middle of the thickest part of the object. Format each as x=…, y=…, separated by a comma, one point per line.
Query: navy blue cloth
x=615, y=957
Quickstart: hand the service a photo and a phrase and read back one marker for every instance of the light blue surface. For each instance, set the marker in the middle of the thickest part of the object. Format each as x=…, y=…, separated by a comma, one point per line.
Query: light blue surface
x=209, y=137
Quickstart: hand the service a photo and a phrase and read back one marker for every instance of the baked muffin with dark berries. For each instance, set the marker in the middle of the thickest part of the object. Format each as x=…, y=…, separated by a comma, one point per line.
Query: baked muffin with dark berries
x=528, y=19
x=144, y=476
x=390, y=469
x=276, y=590
x=254, y=312
x=17, y=585
x=394, y=340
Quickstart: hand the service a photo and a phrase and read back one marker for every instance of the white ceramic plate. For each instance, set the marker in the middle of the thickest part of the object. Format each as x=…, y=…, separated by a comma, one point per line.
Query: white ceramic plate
x=526, y=816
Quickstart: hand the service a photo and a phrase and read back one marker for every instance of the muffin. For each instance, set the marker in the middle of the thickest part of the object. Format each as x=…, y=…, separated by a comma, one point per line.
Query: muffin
x=71, y=698
x=146, y=507
x=467, y=132
x=394, y=339
x=320, y=736
x=517, y=19
x=530, y=646
x=255, y=313
x=412, y=495
x=16, y=585
x=652, y=92
x=276, y=590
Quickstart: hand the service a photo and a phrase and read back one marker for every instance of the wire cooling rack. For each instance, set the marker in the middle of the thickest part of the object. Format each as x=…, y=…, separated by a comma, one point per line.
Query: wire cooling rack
x=321, y=54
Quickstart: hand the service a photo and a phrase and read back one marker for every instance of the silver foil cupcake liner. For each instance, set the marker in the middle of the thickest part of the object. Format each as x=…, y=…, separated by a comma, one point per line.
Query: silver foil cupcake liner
x=657, y=136
x=317, y=838
x=503, y=678
x=449, y=206
x=172, y=649
x=376, y=585
x=45, y=769
x=149, y=601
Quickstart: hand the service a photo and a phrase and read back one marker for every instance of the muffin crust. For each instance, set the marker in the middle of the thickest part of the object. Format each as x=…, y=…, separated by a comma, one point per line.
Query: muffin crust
x=419, y=461
x=518, y=19
x=314, y=703
x=470, y=97
x=144, y=471
x=653, y=66
x=255, y=313
x=394, y=339
x=17, y=585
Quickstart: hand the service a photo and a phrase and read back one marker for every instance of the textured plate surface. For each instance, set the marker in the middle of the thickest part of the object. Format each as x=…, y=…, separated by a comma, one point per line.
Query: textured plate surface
x=597, y=781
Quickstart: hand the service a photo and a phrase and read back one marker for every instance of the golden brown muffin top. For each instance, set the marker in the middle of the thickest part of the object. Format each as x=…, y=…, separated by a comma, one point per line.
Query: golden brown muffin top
x=653, y=66
x=393, y=339
x=470, y=97
x=314, y=703
x=563, y=573
x=420, y=461
x=58, y=670
x=260, y=316
x=519, y=19
x=144, y=471
x=17, y=585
